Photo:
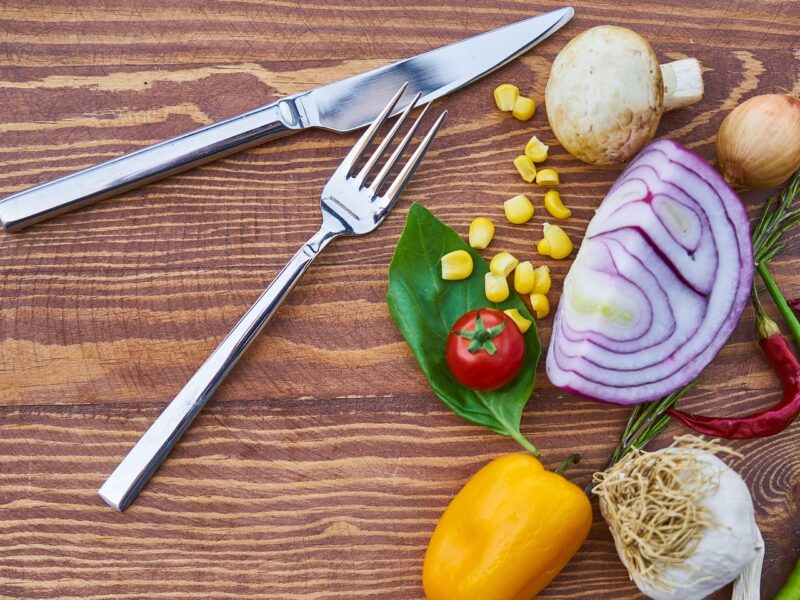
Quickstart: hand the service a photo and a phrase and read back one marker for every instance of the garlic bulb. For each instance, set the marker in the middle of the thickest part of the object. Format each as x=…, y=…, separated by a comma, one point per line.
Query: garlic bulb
x=758, y=144
x=716, y=539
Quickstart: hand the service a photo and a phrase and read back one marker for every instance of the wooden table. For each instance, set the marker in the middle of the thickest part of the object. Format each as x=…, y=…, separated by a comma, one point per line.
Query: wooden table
x=320, y=468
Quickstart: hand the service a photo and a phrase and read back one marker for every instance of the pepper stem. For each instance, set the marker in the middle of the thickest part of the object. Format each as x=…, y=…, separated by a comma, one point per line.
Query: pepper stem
x=766, y=328
x=572, y=459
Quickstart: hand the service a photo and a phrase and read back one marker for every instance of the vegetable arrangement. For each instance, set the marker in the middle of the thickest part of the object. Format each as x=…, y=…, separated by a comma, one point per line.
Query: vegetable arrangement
x=775, y=221
x=778, y=217
x=658, y=285
x=514, y=525
x=425, y=307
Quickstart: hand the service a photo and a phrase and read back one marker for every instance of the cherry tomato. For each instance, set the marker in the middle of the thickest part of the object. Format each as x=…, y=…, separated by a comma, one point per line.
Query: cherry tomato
x=485, y=349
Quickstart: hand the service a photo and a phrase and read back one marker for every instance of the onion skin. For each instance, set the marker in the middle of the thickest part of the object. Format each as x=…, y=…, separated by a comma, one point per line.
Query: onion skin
x=758, y=144
x=658, y=285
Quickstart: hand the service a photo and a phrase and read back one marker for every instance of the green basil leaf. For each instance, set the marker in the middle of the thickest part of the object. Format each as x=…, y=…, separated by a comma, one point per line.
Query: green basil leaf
x=425, y=307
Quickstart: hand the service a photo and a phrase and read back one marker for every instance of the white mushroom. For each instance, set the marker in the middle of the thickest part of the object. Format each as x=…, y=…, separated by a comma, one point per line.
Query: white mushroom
x=607, y=92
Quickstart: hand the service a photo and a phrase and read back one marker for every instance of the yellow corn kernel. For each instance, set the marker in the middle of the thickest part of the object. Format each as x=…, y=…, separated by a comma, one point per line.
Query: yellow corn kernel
x=554, y=205
x=481, y=232
x=524, y=277
x=542, y=281
x=525, y=167
x=505, y=96
x=555, y=243
x=519, y=209
x=523, y=108
x=456, y=265
x=523, y=323
x=536, y=150
x=540, y=305
x=543, y=247
x=547, y=177
x=503, y=263
x=496, y=287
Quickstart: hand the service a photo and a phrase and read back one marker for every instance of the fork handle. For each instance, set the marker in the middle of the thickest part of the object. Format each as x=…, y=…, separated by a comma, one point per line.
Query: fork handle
x=130, y=476
x=149, y=164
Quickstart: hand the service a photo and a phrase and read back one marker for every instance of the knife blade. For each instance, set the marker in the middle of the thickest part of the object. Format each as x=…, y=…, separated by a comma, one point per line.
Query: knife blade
x=342, y=106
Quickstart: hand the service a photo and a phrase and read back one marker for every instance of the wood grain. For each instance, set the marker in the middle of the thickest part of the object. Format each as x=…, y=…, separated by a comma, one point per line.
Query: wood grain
x=319, y=469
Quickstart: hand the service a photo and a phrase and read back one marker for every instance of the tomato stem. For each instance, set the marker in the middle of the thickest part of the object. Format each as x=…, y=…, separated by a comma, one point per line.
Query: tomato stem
x=480, y=337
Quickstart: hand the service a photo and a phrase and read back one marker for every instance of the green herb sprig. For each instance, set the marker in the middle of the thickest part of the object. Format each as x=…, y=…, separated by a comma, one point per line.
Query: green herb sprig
x=776, y=220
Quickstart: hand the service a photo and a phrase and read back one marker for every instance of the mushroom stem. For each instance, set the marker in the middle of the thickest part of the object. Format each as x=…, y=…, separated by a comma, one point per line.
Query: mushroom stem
x=683, y=83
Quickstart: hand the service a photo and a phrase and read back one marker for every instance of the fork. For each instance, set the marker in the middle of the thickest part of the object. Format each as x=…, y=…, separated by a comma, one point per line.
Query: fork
x=350, y=206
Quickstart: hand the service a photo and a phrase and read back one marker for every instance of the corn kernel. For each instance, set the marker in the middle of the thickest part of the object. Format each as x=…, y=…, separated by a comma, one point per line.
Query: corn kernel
x=554, y=205
x=525, y=167
x=547, y=177
x=519, y=209
x=543, y=247
x=542, y=280
x=536, y=150
x=524, y=277
x=456, y=265
x=523, y=108
x=555, y=243
x=481, y=232
x=540, y=305
x=505, y=96
x=523, y=323
x=496, y=287
x=503, y=263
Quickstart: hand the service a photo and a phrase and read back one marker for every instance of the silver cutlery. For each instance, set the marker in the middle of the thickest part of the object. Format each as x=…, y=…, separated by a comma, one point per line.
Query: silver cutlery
x=352, y=204
x=341, y=106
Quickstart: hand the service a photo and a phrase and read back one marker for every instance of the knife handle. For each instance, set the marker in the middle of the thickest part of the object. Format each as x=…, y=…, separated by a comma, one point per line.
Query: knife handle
x=149, y=164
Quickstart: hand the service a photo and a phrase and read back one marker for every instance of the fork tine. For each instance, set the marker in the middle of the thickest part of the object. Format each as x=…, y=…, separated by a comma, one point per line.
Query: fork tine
x=405, y=175
x=378, y=153
x=357, y=151
x=398, y=152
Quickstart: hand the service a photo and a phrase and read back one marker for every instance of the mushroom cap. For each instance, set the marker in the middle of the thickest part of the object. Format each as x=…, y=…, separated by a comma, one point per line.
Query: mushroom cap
x=605, y=95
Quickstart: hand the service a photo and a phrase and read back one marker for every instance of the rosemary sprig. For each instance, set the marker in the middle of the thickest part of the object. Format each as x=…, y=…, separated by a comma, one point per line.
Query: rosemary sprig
x=775, y=221
x=779, y=215
x=645, y=423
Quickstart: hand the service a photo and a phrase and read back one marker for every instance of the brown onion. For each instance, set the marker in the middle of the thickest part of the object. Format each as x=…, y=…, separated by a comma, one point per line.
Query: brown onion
x=758, y=145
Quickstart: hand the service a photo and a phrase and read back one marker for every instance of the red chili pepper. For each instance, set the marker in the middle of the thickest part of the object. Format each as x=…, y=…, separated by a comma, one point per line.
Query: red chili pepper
x=770, y=421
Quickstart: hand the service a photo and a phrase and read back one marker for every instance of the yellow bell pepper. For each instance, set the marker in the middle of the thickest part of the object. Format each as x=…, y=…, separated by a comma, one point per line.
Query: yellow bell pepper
x=506, y=534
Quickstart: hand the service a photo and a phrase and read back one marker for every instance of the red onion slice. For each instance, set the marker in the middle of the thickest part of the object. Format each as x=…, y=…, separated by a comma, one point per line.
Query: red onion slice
x=659, y=282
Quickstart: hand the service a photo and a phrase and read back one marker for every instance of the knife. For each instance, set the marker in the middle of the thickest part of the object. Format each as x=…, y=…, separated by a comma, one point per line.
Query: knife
x=342, y=106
